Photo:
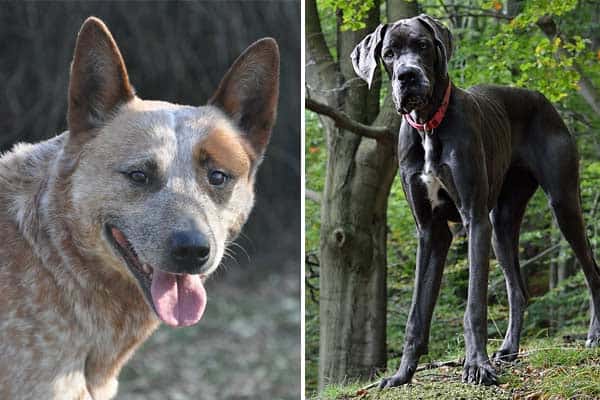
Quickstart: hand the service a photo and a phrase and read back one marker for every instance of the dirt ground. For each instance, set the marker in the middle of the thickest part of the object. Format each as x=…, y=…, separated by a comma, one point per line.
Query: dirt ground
x=247, y=345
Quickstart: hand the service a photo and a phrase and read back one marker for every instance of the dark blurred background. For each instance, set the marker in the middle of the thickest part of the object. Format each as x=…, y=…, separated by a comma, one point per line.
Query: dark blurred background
x=248, y=344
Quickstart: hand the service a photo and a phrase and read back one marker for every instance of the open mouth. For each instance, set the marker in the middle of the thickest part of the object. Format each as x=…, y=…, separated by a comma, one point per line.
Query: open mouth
x=177, y=299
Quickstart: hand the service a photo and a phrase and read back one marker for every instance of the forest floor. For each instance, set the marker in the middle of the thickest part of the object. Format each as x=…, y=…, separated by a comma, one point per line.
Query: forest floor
x=548, y=369
x=247, y=345
x=552, y=364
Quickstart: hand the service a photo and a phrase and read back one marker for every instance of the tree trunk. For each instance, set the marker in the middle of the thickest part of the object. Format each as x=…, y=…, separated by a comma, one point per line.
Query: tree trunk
x=353, y=234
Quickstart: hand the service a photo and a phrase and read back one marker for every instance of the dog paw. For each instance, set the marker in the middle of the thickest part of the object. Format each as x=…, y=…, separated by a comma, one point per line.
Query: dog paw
x=394, y=380
x=479, y=373
x=592, y=341
x=504, y=355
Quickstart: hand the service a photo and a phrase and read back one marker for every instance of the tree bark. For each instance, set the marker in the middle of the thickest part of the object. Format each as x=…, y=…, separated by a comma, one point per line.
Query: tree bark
x=353, y=233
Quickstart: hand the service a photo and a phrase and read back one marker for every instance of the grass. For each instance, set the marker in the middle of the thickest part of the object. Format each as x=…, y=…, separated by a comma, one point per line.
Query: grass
x=553, y=363
x=547, y=369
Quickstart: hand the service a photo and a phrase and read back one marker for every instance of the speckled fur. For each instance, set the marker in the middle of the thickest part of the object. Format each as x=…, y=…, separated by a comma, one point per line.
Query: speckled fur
x=71, y=312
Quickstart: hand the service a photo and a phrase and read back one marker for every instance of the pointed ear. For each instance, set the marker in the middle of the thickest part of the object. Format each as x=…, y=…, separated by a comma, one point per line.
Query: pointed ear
x=99, y=81
x=366, y=54
x=442, y=38
x=249, y=91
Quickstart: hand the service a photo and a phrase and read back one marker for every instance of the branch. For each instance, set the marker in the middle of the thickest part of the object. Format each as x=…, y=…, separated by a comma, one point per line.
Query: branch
x=480, y=14
x=343, y=121
x=540, y=255
x=432, y=365
x=439, y=364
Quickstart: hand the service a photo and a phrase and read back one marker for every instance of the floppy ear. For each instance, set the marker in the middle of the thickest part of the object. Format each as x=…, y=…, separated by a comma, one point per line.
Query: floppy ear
x=249, y=91
x=366, y=54
x=443, y=40
x=99, y=81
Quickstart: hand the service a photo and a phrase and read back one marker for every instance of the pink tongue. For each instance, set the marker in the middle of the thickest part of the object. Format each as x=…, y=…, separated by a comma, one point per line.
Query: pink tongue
x=179, y=300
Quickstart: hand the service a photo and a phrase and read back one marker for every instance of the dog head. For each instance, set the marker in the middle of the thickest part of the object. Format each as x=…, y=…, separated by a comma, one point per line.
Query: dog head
x=415, y=52
x=159, y=189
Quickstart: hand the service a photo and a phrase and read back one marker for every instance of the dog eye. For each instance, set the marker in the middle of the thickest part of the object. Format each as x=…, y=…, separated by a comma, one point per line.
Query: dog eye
x=388, y=54
x=217, y=178
x=138, y=177
x=423, y=45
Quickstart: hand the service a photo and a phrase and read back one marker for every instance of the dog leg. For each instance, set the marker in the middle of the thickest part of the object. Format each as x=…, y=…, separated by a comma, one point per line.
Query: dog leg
x=518, y=188
x=434, y=241
x=560, y=181
x=477, y=367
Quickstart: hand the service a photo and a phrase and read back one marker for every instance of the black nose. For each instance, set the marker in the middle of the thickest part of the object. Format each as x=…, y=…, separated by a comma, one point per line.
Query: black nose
x=189, y=250
x=407, y=75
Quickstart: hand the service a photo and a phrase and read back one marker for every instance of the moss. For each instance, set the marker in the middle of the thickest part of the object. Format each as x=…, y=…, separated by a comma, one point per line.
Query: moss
x=433, y=386
x=563, y=357
x=549, y=369
x=570, y=382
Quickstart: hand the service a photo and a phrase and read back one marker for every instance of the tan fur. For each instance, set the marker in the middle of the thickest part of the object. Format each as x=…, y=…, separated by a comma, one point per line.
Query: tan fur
x=227, y=150
x=46, y=336
x=71, y=310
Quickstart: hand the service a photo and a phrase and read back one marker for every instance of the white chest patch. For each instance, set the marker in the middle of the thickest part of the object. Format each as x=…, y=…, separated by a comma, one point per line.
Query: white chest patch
x=433, y=189
x=432, y=182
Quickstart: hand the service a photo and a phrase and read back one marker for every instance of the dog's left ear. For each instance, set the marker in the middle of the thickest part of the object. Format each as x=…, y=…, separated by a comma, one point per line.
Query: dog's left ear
x=443, y=40
x=249, y=91
x=365, y=56
x=99, y=82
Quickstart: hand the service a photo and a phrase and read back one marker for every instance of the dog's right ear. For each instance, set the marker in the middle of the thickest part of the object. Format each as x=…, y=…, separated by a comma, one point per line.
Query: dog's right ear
x=99, y=82
x=366, y=54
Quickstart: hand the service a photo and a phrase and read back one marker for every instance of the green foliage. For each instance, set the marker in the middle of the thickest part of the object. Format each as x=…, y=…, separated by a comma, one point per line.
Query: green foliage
x=354, y=12
x=316, y=154
x=518, y=53
x=562, y=308
x=535, y=9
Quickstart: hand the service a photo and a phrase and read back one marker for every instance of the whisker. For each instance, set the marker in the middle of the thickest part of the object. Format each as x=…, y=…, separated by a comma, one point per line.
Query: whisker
x=239, y=246
x=231, y=256
x=247, y=239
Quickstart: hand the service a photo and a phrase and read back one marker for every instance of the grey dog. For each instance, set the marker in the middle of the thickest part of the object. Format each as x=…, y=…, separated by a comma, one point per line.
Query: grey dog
x=474, y=156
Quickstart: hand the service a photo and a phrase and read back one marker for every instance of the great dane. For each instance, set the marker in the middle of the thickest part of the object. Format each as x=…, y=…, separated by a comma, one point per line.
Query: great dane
x=474, y=156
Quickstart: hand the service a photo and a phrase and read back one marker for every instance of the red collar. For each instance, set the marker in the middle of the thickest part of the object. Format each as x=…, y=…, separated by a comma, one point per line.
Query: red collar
x=437, y=118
